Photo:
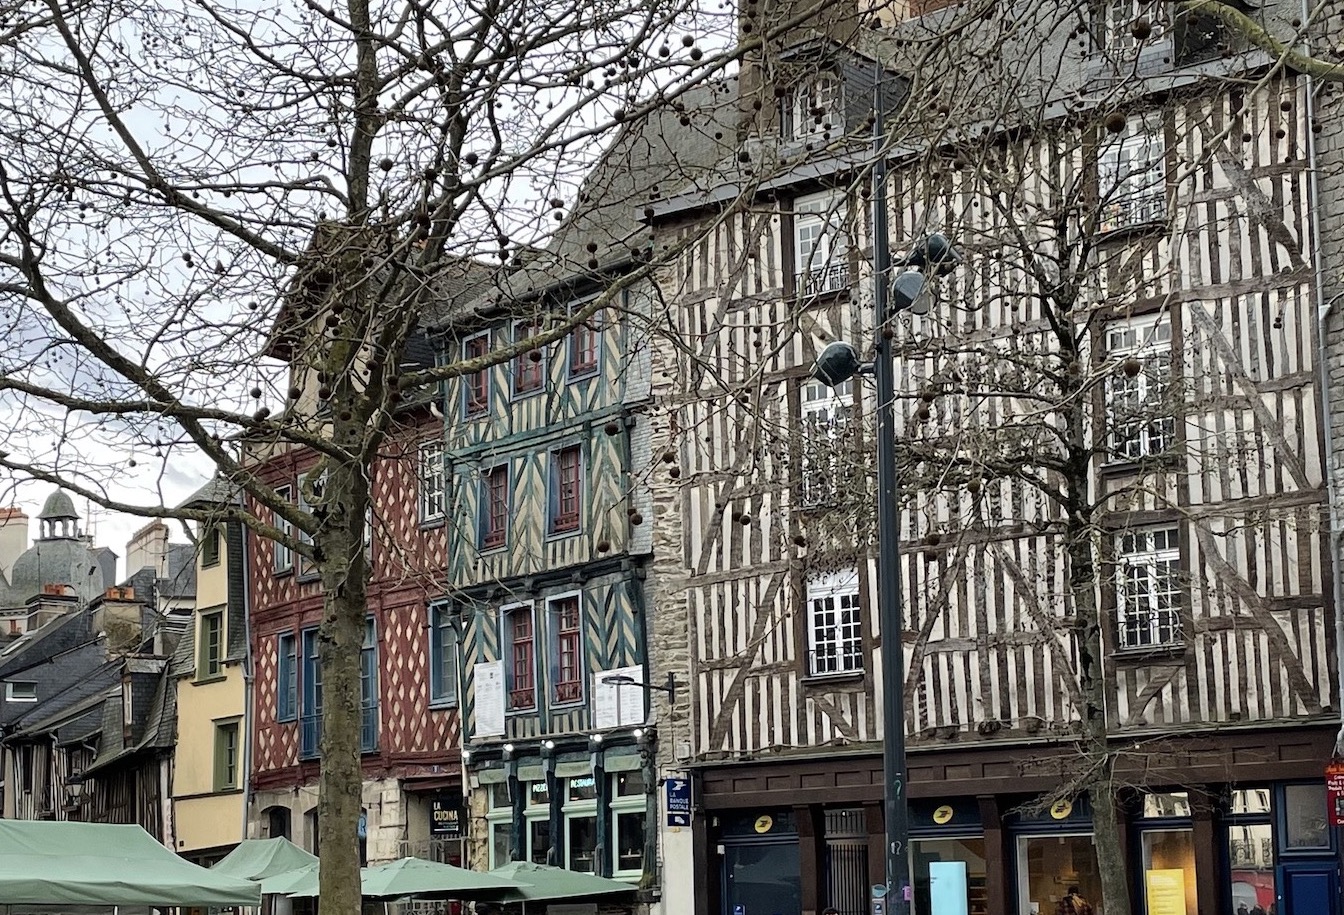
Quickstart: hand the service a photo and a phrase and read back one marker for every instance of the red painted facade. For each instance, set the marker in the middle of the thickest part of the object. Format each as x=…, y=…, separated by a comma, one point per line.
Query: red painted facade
x=408, y=563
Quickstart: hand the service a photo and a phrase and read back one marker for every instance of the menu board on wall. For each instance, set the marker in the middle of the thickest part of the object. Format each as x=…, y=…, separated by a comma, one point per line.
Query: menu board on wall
x=1165, y=891
x=489, y=680
x=618, y=704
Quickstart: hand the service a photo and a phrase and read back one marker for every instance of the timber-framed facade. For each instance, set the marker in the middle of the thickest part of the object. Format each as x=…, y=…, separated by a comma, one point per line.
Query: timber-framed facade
x=1205, y=463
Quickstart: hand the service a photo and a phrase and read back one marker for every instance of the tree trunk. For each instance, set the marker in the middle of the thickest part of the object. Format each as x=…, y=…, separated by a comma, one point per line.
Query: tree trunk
x=344, y=578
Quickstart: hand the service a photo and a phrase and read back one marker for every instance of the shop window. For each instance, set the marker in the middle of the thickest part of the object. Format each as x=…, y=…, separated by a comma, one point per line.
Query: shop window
x=950, y=875
x=277, y=822
x=580, y=810
x=762, y=877
x=1166, y=804
x=629, y=818
x=827, y=470
x=1050, y=866
x=499, y=823
x=1250, y=856
x=1168, y=860
x=1250, y=802
x=1305, y=825
x=537, y=822
x=1148, y=587
x=847, y=860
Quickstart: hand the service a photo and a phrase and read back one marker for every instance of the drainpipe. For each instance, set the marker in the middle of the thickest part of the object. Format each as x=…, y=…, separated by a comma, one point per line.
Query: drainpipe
x=247, y=682
x=1323, y=312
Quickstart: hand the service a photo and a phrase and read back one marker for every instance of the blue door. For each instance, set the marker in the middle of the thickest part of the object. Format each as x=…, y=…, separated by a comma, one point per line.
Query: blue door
x=1308, y=888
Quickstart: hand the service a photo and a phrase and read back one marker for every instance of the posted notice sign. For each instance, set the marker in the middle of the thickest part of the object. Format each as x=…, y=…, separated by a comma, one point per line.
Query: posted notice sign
x=1334, y=793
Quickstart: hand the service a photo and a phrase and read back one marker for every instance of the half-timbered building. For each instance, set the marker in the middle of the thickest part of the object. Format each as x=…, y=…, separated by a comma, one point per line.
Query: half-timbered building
x=547, y=456
x=409, y=732
x=1152, y=167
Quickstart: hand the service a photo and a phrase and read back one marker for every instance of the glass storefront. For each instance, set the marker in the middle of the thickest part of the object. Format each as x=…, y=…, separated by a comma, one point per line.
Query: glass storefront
x=949, y=876
x=1171, y=854
x=1048, y=866
x=1250, y=855
x=763, y=879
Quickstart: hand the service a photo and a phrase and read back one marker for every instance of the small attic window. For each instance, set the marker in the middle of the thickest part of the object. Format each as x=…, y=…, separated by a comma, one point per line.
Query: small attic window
x=21, y=691
x=814, y=107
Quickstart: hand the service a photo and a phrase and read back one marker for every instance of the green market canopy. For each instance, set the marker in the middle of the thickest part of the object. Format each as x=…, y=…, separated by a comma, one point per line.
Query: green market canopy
x=418, y=877
x=53, y=863
x=538, y=883
x=257, y=859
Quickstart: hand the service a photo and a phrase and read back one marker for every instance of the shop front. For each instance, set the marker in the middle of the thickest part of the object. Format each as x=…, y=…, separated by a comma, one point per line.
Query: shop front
x=804, y=835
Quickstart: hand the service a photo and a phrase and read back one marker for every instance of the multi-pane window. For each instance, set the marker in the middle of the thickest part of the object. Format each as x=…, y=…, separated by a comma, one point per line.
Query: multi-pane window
x=210, y=546
x=815, y=108
x=568, y=649
x=499, y=822
x=521, y=668
x=1114, y=24
x=442, y=656
x=583, y=345
x=1139, y=410
x=537, y=821
x=282, y=557
x=834, y=624
x=494, y=507
x=368, y=689
x=819, y=244
x=432, y=482
x=226, y=755
x=1148, y=587
x=476, y=386
x=1131, y=176
x=210, y=656
x=827, y=460
x=286, y=678
x=566, y=490
x=529, y=368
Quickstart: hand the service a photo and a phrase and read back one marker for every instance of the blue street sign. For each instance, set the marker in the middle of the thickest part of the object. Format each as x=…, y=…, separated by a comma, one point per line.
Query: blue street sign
x=679, y=803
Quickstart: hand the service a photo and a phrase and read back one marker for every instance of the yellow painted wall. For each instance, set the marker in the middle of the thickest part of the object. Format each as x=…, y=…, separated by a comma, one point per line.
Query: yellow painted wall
x=204, y=819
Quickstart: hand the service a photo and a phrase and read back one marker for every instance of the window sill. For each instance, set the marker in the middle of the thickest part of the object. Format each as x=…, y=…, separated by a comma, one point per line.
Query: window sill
x=588, y=371
x=524, y=395
x=559, y=706
x=485, y=549
x=561, y=535
x=1132, y=230
x=848, y=676
x=1166, y=460
x=282, y=573
x=225, y=790
x=292, y=719
x=210, y=565
x=442, y=705
x=212, y=678
x=1144, y=654
x=827, y=297
x=429, y=524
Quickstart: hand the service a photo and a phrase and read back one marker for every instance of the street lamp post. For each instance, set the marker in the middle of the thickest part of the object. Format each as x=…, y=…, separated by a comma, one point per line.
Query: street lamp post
x=836, y=363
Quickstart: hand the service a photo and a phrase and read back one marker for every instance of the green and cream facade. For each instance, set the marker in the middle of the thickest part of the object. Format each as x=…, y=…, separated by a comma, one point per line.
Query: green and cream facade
x=544, y=461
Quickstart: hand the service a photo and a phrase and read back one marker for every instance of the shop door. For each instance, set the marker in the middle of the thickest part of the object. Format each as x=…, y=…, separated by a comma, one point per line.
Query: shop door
x=1308, y=889
x=762, y=878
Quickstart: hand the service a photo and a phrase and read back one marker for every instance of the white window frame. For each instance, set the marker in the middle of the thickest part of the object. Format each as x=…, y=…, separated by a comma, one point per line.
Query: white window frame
x=578, y=810
x=495, y=817
x=820, y=91
x=1146, y=426
x=431, y=481
x=826, y=413
x=627, y=804
x=1132, y=175
x=1149, y=616
x=1114, y=21
x=282, y=557
x=841, y=637
x=820, y=244
x=12, y=696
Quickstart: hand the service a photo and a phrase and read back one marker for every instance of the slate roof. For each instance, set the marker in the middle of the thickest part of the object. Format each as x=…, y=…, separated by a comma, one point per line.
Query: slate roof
x=650, y=158
x=183, y=662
